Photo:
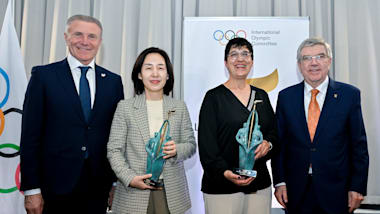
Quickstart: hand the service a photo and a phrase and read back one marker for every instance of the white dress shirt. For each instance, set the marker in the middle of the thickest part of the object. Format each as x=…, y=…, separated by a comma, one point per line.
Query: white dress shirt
x=322, y=88
x=76, y=73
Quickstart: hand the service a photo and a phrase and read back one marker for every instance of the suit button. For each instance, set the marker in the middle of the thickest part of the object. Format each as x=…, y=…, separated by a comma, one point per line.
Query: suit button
x=313, y=149
x=84, y=148
x=88, y=128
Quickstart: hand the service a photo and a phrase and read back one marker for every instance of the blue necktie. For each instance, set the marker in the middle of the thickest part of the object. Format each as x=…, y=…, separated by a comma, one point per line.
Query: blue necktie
x=84, y=93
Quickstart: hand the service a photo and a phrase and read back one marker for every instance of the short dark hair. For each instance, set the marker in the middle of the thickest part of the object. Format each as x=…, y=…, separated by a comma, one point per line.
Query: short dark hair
x=138, y=84
x=237, y=42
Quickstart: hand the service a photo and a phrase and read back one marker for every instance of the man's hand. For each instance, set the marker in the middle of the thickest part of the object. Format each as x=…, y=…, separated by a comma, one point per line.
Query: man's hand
x=281, y=195
x=237, y=179
x=170, y=149
x=34, y=204
x=138, y=182
x=262, y=149
x=354, y=200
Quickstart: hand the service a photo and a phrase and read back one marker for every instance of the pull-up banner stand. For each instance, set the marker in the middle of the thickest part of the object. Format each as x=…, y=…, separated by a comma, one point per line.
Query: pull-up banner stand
x=275, y=41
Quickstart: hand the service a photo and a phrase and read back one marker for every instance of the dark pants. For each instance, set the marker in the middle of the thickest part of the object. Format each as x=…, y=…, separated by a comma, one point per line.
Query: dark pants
x=309, y=203
x=86, y=198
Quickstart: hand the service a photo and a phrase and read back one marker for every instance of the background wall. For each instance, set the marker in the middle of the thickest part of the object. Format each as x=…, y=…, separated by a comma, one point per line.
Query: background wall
x=350, y=26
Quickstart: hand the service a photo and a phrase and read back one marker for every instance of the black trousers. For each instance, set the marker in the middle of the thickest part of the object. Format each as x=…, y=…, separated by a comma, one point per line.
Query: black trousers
x=309, y=203
x=86, y=198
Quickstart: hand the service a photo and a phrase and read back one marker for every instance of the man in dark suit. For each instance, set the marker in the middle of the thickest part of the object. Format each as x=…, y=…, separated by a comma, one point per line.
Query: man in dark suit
x=68, y=111
x=322, y=166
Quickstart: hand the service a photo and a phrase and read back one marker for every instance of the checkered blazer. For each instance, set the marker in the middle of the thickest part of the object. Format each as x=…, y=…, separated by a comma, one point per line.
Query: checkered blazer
x=127, y=155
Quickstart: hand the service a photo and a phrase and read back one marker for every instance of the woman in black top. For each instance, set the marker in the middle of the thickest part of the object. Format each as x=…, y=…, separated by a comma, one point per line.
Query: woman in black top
x=223, y=112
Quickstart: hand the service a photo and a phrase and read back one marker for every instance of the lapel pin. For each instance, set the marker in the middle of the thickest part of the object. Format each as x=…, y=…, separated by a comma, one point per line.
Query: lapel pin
x=103, y=74
x=335, y=96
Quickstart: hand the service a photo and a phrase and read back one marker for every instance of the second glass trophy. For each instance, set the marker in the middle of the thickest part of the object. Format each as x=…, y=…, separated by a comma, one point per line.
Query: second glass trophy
x=249, y=138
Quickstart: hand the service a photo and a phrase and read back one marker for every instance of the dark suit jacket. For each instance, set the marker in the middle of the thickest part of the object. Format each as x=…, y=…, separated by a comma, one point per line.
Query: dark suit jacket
x=54, y=130
x=338, y=154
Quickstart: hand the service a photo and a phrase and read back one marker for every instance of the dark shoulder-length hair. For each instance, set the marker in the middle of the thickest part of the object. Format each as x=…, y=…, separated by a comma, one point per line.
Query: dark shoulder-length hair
x=138, y=84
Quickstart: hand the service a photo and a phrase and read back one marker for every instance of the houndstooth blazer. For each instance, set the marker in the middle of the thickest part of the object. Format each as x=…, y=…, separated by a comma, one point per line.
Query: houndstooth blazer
x=127, y=155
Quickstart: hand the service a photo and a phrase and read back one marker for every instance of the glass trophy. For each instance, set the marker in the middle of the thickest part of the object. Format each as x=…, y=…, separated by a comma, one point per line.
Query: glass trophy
x=249, y=138
x=155, y=160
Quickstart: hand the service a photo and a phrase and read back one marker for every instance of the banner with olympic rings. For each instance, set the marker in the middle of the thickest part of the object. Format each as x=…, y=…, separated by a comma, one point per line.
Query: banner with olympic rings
x=275, y=41
x=13, y=84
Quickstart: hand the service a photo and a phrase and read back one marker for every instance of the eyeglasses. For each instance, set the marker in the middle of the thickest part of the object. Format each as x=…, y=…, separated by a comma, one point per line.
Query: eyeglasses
x=318, y=58
x=234, y=55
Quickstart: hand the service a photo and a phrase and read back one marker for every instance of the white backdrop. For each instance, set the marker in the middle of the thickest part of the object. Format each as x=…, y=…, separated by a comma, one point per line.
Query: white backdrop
x=275, y=42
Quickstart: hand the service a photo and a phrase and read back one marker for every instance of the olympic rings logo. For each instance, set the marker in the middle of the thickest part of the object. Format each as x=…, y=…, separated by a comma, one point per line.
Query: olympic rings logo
x=224, y=37
x=17, y=172
x=9, y=145
x=2, y=103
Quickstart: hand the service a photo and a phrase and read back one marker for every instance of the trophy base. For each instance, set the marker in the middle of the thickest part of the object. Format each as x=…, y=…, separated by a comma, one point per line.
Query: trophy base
x=246, y=172
x=159, y=183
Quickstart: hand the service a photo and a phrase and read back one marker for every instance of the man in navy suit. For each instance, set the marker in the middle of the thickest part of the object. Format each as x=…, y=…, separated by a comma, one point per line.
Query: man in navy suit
x=322, y=166
x=68, y=111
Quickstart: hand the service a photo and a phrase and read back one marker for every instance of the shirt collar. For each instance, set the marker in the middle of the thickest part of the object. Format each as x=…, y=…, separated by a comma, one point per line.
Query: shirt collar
x=74, y=63
x=322, y=88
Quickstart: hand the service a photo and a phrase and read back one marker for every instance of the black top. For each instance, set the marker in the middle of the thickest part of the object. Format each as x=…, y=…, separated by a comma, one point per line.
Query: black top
x=221, y=116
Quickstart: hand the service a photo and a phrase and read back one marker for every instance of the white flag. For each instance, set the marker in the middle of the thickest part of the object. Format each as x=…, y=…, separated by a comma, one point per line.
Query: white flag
x=13, y=84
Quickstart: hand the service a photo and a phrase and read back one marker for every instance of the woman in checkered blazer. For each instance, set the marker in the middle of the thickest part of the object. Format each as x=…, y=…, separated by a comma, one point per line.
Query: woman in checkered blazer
x=134, y=123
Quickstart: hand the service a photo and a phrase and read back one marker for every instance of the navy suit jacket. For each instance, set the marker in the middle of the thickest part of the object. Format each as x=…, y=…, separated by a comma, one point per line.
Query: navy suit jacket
x=338, y=153
x=54, y=131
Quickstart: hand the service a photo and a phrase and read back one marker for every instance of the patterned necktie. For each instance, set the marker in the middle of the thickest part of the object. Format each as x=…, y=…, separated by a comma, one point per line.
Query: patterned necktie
x=84, y=93
x=313, y=114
